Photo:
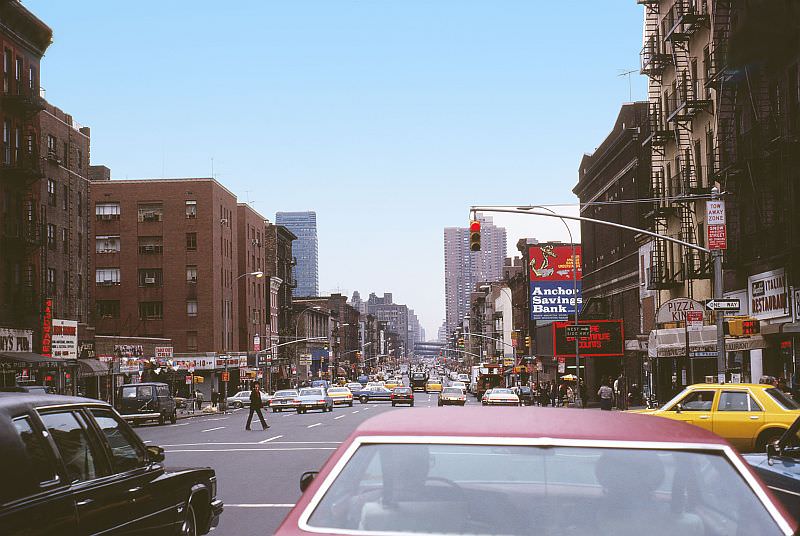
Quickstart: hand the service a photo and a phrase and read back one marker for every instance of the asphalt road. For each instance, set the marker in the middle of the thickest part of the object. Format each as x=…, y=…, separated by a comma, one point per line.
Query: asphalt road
x=259, y=471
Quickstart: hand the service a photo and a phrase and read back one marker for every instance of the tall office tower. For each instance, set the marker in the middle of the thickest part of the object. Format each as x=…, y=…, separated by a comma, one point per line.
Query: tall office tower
x=305, y=248
x=463, y=269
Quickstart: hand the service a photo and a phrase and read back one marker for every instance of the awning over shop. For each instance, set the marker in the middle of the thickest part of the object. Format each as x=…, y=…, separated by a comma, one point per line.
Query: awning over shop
x=92, y=367
x=672, y=342
x=30, y=358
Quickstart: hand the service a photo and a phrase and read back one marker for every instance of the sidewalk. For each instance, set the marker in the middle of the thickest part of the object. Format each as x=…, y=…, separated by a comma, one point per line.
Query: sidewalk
x=187, y=413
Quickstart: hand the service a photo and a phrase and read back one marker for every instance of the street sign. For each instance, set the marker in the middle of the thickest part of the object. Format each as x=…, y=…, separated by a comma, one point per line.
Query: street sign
x=694, y=320
x=702, y=354
x=723, y=305
x=715, y=225
x=580, y=331
x=226, y=376
x=188, y=380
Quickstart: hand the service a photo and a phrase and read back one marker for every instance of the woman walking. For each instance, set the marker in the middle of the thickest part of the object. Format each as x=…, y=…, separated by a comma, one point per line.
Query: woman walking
x=605, y=393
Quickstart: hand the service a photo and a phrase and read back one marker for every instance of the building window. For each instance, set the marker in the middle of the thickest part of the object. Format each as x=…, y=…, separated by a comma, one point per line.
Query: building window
x=151, y=245
x=51, y=282
x=66, y=197
x=80, y=245
x=80, y=159
x=191, y=241
x=51, y=147
x=191, y=341
x=51, y=192
x=151, y=212
x=107, y=276
x=107, y=308
x=191, y=209
x=191, y=274
x=107, y=211
x=150, y=277
x=107, y=244
x=152, y=310
x=79, y=286
x=191, y=308
x=51, y=236
x=80, y=203
x=64, y=241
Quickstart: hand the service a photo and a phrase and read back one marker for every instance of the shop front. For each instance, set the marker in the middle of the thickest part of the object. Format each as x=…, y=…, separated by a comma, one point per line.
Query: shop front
x=28, y=368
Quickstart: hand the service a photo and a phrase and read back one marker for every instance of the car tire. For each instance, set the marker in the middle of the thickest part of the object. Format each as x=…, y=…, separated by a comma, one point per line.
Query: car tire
x=364, y=399
x=411, y=405
x=161, y=419
x=189, y=523
x=766, y=437
x=440, y=404
x=350, y=404
x=238, y=405
x=298, y=411
x=393, y=404
x=174, y=417
x=274, y=410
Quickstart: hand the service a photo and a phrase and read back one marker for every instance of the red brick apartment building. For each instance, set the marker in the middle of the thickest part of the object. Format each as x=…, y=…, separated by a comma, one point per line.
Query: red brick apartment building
x=254, y=330
x=165, y=261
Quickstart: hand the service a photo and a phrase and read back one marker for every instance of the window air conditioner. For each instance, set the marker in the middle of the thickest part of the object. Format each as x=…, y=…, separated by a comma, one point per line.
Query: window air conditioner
x=149, y=280
x=149, y=248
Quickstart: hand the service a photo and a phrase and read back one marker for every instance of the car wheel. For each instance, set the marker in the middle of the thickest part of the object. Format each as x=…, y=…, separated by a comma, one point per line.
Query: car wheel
x=299, y=411
x=161, y=419
x=412, y=404
x=174, y=417
x=766, y=437
x=364, y=399
x=350, y=404
x=238, y=405
x=393, y=404
x=440, y=404
x=189, y=524
x=274, y=410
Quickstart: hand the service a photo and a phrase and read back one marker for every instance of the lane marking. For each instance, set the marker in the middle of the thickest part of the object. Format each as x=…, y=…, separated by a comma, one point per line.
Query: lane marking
x=253, y=450
x=313, y=425
x=356, y=411
x=182, y=424
x=148, y=441
x=267, y=505
x=212, y=429
x=217, y=419
x=339, y=417
x=270, y=439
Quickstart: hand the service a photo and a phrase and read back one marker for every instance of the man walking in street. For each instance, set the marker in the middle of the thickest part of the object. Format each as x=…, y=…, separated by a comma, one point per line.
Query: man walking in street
x=255, y=407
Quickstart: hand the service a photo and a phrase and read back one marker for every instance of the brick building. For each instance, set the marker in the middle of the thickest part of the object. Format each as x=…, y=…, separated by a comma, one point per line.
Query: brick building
x=279, y=263
x=255, y=322
x=165, y=257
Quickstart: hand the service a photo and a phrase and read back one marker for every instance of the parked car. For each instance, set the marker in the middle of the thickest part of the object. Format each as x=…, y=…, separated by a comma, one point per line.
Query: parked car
x=141, y=402
x=779, y=467
x=341, y=395
x=525, y=395
x=374, y=392
x=314, y=398
x=402, y=395
x=74, y=466
x=500, y=396
x=242, y=399
x=505, y=471
x=750, y=416
x=285, y=399
x=452, y=396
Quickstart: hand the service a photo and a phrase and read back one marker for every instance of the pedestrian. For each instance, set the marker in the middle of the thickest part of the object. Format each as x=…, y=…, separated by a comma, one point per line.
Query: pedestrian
x=214, y=398
x=582, y=392
x=255, y=407
x=605, y=393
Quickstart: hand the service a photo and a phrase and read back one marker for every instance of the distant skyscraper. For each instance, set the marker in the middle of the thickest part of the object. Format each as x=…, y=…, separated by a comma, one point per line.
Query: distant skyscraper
x=304, y=249
x=463, y=269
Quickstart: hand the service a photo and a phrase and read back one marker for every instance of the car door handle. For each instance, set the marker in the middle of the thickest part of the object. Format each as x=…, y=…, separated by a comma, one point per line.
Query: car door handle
x=137, y=489
x=703, y=417
x=754, y=417
x=84, y=502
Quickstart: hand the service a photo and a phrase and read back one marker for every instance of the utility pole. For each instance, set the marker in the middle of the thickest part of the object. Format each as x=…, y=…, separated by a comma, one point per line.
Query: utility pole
x=716, y=256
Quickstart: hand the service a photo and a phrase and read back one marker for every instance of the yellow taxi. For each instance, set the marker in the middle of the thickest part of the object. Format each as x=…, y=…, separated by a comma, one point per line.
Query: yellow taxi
x=749, y=416
x=433, y=385
x=341, y=396
x=394, y=382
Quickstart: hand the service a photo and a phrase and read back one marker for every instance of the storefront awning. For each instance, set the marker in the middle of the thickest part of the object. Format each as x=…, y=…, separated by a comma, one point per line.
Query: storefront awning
x=30, y=358
x=92, y=367
x=672, y=342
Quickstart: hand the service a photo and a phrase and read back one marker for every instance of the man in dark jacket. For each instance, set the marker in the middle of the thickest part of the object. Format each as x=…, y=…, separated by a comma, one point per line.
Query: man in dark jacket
x=255, y=407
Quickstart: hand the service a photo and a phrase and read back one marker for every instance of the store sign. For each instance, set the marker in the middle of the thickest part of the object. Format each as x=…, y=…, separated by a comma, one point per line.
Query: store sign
x=256, y=343
x=675, y=310
x=163, y=352
x=191, y=363
x=47, y=326
x=16, y=340
x=715, y=225
x=555, y=278
x=606, y=339
x=64, y=339
x=694, y=320
x=129, y=350
x=768, y=295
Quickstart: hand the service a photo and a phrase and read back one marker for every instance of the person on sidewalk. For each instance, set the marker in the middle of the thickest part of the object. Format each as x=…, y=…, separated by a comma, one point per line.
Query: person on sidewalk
x=255, y=407
x=605, y=393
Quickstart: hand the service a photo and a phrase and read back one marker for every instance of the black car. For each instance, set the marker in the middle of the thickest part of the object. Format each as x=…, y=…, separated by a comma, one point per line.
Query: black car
x=779, y=467
x=525, y=395
x=74, y=466
x=139, y=402
x=402, y=395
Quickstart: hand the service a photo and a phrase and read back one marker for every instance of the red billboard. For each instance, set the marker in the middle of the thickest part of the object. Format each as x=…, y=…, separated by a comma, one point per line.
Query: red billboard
x=553, y=262
x=606, y=339
x=555, y=289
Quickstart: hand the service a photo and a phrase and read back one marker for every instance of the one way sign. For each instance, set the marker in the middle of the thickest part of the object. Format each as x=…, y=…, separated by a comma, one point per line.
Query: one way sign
x=723, y=305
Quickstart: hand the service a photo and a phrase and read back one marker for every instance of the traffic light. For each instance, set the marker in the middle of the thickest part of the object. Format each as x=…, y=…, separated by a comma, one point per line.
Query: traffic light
x=741, y=326
x=358, y=355
x=527, y=341
x=475, y=235
x=461, y=342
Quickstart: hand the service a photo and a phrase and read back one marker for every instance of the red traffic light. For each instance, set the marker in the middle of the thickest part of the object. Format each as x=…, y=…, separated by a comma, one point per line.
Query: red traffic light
x=474, y=235
x=475, y=226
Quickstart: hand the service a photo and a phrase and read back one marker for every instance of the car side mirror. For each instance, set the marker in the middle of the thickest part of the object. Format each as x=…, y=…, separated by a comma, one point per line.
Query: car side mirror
x=306, y=479
x=678, y=408
x=155, y=454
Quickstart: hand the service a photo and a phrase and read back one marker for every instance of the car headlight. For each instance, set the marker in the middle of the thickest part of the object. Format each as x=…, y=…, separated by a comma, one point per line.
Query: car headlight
x=213, y=485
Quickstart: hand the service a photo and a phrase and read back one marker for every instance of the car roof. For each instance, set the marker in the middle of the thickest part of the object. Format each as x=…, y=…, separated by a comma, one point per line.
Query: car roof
x=562, y=423
x=17, y=403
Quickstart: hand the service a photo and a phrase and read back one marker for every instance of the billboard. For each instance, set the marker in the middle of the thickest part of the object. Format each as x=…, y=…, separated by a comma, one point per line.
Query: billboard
x=64, y=339
x=550, y=272
x=606, y=339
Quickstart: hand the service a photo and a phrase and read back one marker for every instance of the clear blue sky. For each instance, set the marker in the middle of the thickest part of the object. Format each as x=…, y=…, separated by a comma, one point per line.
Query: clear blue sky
x=388, y=117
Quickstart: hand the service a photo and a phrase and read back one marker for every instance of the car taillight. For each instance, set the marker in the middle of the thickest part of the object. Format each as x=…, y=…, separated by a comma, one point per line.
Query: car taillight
x=391, y=396
x=296, y=401
x=320, y=401
x=412, y=395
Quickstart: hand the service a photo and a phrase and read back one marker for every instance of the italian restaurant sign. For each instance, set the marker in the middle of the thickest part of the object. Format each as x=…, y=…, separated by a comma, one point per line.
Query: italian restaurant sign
x=768, y=295
x=551, y=271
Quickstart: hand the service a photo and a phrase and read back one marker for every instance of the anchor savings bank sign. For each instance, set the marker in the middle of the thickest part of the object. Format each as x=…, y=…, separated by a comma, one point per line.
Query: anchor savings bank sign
x=553, y=289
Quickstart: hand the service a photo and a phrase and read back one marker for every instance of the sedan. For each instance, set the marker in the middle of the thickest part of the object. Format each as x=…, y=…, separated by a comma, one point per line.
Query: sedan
x=452, y=396
x=285, y=399
x=375, y=392
x=504, y=472
x=341, y=395
x=500, y=396
x=434, y=386
x=779, y=467
x=354, y=387
x=242, y=399
x=314, y=398
x=402, y=395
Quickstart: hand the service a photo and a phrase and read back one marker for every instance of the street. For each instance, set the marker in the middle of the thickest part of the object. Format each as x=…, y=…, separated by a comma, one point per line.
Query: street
x=259, y=471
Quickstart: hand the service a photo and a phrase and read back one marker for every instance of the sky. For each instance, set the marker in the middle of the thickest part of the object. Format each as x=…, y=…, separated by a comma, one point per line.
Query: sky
x=389, y=118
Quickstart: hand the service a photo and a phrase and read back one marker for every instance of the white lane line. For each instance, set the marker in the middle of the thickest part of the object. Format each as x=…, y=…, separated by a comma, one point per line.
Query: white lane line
x=356, y=411
x=267, y=505
x=270, y=439
x=313, y=425
x=339, y=417
x=148, y=441
x=182, y=424
x=252, y=450
x=365, y=409
x=212, y=429
x=217, y=419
